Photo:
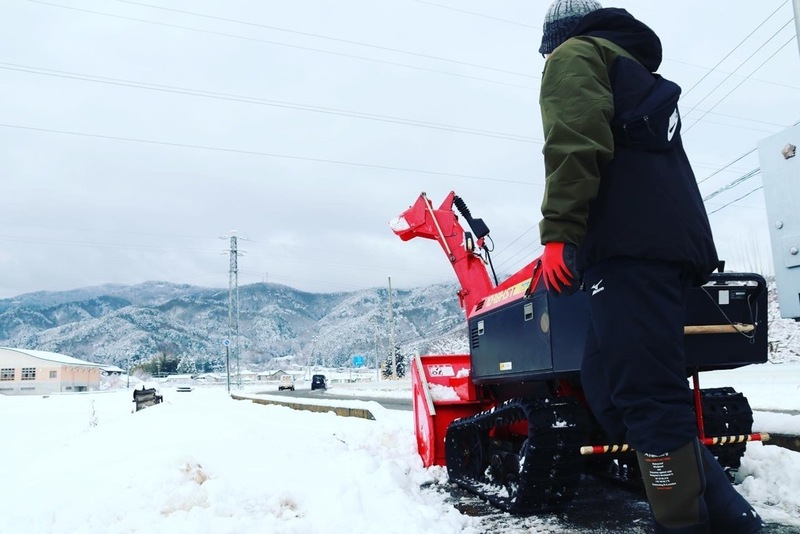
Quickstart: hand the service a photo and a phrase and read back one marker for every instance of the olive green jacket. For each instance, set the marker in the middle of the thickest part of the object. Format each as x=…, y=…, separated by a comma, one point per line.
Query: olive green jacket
x=577, y=107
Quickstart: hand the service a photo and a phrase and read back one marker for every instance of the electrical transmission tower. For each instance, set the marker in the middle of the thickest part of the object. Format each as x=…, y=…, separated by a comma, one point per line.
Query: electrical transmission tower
x=233, y=302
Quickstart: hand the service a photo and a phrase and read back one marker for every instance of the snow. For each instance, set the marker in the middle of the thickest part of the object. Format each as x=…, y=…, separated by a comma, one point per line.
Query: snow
x=443, y=393
x=203, y=462
x=399, y=224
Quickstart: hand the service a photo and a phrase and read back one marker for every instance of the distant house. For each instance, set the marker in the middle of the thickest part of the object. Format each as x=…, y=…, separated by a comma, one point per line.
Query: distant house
x=111, y=370
x=247, y=376
x=267, y=376
x=37, y=372
x=211, y=377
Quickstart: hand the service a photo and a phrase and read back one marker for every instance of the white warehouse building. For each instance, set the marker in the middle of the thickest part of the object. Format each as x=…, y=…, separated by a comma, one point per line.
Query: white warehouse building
x=38, y=372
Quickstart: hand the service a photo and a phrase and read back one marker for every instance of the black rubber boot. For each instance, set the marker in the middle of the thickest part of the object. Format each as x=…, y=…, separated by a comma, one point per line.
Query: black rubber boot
x=728, y=511
x=675, y=482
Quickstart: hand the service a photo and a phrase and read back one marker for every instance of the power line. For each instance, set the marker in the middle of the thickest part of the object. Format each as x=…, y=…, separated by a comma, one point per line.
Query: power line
x=534, y=245
x=741, y=126
x=298, y=106
x=62, y=228
x=522, y=235
x=734, y=49
x=265, y=154
x=735, y=183
x=479, y=15
x=729, y=93
x=329, y=38
x=731, y=185
x=136, y=84
x=746, y=119
x=287, y=45
x=728, y=165
x=262, y=101
x=289, y=105
x=719, y=191
x=752, y=78
x=736, y=200
x=734, y=161
x=736, y=69
x=531, y=254
x=329, y=110
x=288, y=259
x=98, y=244
x=514, y=257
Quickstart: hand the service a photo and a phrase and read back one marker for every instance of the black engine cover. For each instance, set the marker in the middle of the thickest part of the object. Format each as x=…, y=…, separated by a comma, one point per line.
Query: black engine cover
x=540, y=337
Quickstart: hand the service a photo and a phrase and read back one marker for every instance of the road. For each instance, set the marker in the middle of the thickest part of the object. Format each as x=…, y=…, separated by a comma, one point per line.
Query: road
x=601, y=507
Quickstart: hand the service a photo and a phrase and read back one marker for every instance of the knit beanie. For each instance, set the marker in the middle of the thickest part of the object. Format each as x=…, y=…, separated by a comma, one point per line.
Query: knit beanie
x=561, y=19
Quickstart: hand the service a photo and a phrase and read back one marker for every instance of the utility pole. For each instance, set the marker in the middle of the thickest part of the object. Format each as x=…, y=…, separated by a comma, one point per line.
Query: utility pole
x=233, y=302
x=377, y=361
x=391, y=330
x=227, y=343
x=796, y=4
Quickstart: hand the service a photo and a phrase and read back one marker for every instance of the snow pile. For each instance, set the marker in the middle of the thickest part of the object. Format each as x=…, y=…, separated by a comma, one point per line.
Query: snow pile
x=204, y=463
x=443, y=393
x=784, y=336
x=771, y=490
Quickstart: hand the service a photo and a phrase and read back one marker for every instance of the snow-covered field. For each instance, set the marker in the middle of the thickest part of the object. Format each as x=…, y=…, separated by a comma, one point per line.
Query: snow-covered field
x=204, y=463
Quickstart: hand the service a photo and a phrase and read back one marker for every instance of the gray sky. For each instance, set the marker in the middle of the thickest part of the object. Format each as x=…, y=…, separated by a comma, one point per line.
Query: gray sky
x=132, y=137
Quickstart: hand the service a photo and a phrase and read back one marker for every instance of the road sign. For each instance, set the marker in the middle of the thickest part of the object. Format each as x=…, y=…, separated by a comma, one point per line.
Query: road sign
x=227, y=342
x=358, y=361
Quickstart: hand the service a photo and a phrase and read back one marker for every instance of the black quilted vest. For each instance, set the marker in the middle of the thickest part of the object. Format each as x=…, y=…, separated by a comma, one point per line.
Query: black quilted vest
x=648, y=205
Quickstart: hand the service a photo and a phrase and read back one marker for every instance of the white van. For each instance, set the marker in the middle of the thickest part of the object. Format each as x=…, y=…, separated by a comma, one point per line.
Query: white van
x=286, y=382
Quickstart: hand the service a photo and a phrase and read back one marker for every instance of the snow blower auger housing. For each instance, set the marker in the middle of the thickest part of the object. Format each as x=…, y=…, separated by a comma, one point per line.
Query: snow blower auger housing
x=517, y=431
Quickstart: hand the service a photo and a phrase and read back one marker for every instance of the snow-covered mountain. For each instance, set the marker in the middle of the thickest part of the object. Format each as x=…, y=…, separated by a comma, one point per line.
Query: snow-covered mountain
x=127, y=324
x=117, y=324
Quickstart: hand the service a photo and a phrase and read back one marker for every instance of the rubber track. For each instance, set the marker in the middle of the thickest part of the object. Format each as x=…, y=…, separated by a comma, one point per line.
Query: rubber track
x=545, y=467
x=726, y=413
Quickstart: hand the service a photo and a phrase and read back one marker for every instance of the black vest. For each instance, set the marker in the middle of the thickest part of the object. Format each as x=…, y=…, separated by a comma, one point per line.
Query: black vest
x=648, y=205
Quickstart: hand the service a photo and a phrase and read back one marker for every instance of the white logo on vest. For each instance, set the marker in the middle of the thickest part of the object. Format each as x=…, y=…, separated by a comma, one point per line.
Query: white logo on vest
x=673, y=124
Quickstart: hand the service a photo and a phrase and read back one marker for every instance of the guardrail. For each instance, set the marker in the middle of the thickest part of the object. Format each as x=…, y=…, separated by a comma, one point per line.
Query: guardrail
x=338, y=410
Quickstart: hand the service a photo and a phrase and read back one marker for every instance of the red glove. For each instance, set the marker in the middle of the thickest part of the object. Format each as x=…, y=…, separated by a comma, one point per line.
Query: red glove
x=558, y=268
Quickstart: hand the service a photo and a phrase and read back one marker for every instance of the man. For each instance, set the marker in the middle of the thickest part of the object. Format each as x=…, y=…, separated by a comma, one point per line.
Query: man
x=622, y=211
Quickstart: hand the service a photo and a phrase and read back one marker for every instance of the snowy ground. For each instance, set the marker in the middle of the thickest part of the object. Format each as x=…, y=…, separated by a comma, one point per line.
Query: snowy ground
x=204, y=463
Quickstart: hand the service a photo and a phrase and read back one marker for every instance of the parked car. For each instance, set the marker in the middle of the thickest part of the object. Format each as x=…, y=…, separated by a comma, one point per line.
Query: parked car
x=286, y=382
x=319, y=382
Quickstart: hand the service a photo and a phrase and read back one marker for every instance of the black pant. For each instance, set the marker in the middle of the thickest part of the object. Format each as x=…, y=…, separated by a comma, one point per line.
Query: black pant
x=634, y=370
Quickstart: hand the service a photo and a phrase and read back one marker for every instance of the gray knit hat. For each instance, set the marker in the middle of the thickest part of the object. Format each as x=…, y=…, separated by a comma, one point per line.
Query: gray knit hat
x=561, y=19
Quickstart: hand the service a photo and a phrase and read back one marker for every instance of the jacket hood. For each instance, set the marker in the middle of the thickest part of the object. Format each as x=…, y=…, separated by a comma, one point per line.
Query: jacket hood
x=621, y=28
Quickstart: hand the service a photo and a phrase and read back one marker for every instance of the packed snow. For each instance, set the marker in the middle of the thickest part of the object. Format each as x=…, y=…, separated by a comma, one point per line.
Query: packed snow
x=203, y=462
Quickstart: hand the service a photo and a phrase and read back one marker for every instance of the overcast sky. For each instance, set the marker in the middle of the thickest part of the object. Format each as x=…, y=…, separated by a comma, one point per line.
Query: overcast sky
x=133, y=135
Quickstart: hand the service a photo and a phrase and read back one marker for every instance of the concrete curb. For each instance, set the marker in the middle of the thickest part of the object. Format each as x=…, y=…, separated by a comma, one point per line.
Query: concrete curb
x=784, y=440
x=338, y=410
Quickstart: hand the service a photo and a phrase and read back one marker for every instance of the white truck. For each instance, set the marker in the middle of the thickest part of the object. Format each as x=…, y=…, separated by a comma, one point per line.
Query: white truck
x=286, y=382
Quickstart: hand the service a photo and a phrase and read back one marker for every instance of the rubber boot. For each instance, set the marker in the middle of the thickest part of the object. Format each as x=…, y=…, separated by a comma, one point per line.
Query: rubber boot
x=728, y=511
x=675, y=482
